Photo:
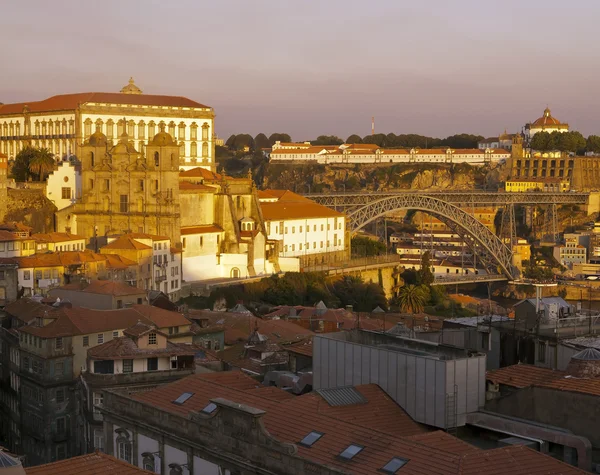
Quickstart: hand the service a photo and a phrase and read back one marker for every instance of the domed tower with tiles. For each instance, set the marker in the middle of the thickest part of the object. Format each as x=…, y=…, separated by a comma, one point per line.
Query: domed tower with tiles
x=125, y=190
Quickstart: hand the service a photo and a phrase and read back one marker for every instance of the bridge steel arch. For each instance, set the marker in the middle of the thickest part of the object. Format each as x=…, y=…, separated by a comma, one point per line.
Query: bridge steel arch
x=464, y=223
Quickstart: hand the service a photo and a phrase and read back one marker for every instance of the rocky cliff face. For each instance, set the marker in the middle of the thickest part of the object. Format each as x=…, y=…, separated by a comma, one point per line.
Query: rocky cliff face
x=320, y=178
x=32, y=208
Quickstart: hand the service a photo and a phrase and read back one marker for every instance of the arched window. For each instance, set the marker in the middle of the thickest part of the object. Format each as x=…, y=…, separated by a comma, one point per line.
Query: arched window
x=92, y=161
x=148, y=462
x=37, y=127
x=156, y=159
x=151, y=130
x=142, y=130
x=235, y=273
x=194, y=131
x=131, y=128
x=205, y=131
x=181, y=135
x=123, y=445
x=110, y=129
x=44, y=127
x=172, y=129
x=204, y=150
x=71, y=126
x=193, y=150
x=120, y=127
x=50, y=127
x=172, y=160
x=181, y=149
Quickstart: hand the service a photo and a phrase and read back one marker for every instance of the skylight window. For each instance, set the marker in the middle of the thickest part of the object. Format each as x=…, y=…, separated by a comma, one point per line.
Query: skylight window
x=210, y=408
x=184, y=397
x=311, y=438
x=351, y=451
x=394, y=465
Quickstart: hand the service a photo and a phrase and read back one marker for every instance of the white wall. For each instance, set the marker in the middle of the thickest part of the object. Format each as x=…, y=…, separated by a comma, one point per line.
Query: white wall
x=65, y=177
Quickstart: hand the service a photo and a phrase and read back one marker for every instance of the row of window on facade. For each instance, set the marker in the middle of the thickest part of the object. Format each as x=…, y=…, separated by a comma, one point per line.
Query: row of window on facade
x=139, y=130
x=285, y=229
x=184, y=241
x=58, y=127
x=306, y=246
x=56, y=146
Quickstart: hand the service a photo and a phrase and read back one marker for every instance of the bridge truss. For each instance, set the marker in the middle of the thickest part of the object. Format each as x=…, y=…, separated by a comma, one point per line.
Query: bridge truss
x=490, y=249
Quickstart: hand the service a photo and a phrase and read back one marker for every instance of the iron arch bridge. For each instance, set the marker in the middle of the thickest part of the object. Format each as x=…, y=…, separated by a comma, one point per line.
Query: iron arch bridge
x=490, y=249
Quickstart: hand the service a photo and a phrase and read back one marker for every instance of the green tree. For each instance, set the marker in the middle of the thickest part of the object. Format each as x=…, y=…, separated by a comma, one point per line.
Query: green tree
x=363, y=246
x=327, y=140
x=242, y=141
x=543, y=142
x=391, y=140
x=351, y=290
x=593, y=144
x=230, y=142
x=43, y=163
x=462, y=141
x=354, y=139
x=279, y=137
x=411, y=299
x=261, y=141
x=20, y=170
x=425, y=275
x=377, y=139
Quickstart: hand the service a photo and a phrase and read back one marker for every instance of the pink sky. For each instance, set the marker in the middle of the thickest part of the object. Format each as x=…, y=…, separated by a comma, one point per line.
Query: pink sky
x=319, y=66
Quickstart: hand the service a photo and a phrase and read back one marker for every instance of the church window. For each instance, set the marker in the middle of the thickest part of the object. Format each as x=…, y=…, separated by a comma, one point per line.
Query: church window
x=44, y=128
x=156, y=185
x=172, y=129
x=110, y=129
x=71, y=127
x=182, y=149
x=91, y=183
x=92, y=159
x=205, y=150
x=106, y=184
x=66, y=193
x=142, y=130
x=50, y=127
x=205, y=131
x=120, y=127
x=194, y=131
x=37, y=127
x=141, y=185
x=193, y=149
x=181, y=131
x=87, y=127
x=131, y=128
x=156, y=159
x=124, y=204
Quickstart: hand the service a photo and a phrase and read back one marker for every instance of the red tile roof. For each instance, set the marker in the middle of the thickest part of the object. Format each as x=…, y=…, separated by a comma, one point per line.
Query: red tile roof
x=27, y=310
x=126, y=242
x=125, y=347
x=200, y=172
x=56, y=237
x=285, y=210
x=522, y=375
x=6, y=236
x=104, y=287
x=65, y=102
x=574, y=385
x=202, y=229
x=304, y=348
x=115, y=261
x=291, y=419
x=60, y=259
x=97, y=463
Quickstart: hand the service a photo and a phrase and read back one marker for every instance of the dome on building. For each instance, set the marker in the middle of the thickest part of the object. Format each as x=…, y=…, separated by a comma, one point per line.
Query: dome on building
x=546, y=120
x=124, y=145
x=163, y=139
x=97, y=139
x=585, y=364
x=131, y=88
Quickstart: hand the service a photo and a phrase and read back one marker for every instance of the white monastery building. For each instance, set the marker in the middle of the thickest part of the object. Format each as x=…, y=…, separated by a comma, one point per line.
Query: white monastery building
x=63, y=123
x=546, y=123
x=371, y=153
x=63, y=186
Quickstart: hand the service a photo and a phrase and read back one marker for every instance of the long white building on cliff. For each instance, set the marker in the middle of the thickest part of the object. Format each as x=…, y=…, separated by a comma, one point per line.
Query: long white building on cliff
x=371, y=153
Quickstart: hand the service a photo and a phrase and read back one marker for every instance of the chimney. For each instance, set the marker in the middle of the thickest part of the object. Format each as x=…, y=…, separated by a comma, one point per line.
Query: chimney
x=349, y=308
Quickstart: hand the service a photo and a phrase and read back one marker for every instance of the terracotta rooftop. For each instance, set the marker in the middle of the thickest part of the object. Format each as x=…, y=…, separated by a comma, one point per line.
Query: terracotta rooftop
x=82, y=321
x=126, y=242
x=589, y=386
x=115, y=261
x=60, y=259
x=522, y=375
x=125, y=347
x=286, y=195
x=27, y=310
x=239, y=326
x=97, y=463
x=200, y=172
x=304, y=348
x=287, y=210
x=56, y=237
x=104, y=287
x=202, y=229
x=66, y=102
x=291, y=419
x=6, y=236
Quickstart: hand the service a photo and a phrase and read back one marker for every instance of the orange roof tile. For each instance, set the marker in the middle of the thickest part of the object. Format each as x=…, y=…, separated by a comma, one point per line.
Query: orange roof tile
x=124, y=348
x=56, y=237
x=202, y=229
x=523, y=375
x=126, y=242
x=200, y=172
x=96, y=463
x=59, y=259
x=287, y=210
x=575, y=385
x=115, y=261
x=103, y=287
x=65, y=102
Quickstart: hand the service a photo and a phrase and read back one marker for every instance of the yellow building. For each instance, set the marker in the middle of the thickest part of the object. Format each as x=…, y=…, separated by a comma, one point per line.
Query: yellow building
x=521, y=185
x=125, y=191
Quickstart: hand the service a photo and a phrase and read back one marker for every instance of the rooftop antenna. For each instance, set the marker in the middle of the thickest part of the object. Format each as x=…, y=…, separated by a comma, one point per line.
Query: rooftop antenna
x=373, y=125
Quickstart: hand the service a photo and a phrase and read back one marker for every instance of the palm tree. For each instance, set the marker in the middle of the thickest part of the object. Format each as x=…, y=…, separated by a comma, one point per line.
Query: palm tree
x=411, y=299
x=42, y=163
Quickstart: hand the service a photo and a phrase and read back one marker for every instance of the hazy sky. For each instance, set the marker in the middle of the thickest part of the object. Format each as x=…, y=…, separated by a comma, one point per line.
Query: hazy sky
x=310, y=67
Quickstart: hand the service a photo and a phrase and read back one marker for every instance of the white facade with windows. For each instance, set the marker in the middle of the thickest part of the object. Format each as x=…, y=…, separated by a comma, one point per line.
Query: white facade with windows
x=63, y=186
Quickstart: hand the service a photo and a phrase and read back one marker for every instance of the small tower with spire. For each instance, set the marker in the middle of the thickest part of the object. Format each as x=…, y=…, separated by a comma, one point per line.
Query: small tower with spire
x=131, y=88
